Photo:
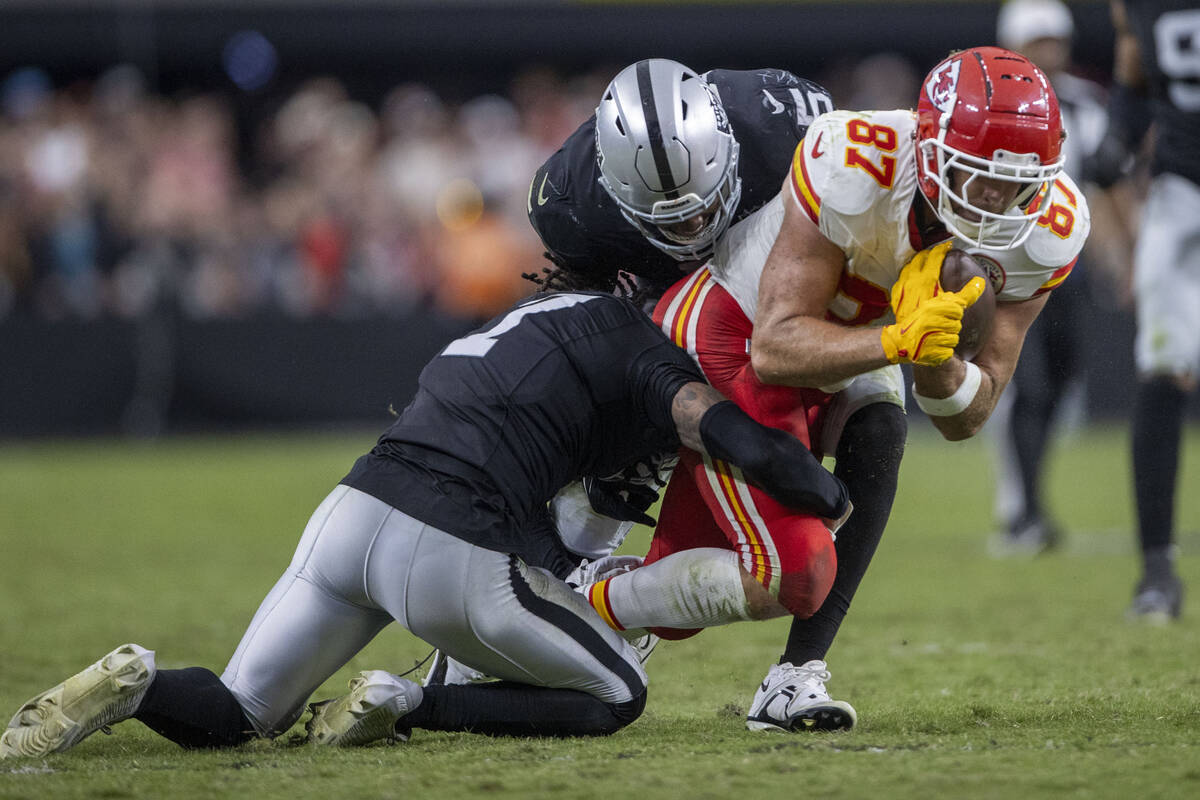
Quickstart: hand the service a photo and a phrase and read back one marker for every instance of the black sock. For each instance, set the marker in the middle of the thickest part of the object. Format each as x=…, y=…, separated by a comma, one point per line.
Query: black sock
x=1158, y=564
x=192, y=708
x=868, y=462
x=1029, y=426
x=504, y=708
x=1049, y=360
x=1034, y=406
x=1157, y=426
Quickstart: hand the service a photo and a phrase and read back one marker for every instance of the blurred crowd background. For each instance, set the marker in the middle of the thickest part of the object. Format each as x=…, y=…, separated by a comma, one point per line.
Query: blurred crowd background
x=114, y=197
x=171, y=167
x=278, y=187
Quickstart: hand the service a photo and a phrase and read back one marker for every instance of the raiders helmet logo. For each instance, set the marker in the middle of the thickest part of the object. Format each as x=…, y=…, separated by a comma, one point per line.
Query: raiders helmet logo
x=718, y=107
x=942, y=86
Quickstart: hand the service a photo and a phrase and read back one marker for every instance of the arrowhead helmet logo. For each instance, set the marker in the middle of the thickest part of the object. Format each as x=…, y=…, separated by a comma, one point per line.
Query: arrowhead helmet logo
x=942, y=86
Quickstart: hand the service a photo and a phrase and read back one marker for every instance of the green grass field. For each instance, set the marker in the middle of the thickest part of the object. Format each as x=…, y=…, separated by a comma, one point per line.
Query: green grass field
x=973, y=678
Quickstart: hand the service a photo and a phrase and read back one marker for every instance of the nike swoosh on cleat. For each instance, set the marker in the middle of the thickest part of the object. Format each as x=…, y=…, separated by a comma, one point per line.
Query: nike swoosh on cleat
x=541, y=189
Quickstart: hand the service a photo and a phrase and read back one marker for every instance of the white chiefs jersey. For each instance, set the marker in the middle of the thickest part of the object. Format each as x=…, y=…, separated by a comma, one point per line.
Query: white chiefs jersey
x=855, y=176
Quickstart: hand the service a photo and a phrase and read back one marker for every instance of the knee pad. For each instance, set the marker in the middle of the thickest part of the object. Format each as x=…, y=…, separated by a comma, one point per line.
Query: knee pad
x=806, y=580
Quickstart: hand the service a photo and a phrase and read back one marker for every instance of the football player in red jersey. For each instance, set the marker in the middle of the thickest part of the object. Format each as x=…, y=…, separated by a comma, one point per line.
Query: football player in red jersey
x=803, y=315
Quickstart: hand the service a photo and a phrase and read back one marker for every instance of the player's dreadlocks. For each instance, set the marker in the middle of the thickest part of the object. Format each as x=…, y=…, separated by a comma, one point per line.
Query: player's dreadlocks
x=556, y=279
x=622, y=284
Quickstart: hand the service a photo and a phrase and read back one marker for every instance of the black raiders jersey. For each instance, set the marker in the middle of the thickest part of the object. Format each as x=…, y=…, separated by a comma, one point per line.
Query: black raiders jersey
x=1168, y=34
x=559, y=387
x=581, y=226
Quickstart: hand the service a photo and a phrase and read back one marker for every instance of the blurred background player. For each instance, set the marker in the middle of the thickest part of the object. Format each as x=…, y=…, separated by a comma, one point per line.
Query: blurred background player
x=1156, y=74
x=1050, y=372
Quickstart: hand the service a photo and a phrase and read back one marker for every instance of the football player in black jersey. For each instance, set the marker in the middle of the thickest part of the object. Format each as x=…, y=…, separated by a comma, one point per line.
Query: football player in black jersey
x=647, y=187
x=1053, y=355
x=423, y=530
x=652, y=201
x=1157, y=79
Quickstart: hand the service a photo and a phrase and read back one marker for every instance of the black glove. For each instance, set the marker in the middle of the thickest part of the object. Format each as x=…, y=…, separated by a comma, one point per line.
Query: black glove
x=618, y=498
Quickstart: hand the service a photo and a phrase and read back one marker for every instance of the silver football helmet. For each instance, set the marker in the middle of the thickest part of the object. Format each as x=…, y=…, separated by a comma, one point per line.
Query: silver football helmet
x=667, y=156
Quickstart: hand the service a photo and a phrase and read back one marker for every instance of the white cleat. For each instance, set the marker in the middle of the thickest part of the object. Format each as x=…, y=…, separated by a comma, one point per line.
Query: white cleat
x=644, y=646
x=106, y=692
x=589, y=572
x=445, y=671
x=377, y=700
x=794, y=698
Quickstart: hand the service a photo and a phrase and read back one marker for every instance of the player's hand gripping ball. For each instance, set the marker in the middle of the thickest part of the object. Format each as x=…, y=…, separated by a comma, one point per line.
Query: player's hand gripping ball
x=935, y=271
x=959, y=267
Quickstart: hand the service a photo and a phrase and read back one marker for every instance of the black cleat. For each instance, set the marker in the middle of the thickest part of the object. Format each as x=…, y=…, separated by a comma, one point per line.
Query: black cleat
x=1157, y=601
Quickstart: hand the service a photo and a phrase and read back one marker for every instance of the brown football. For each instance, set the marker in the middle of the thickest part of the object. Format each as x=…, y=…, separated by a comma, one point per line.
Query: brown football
x=958, y=268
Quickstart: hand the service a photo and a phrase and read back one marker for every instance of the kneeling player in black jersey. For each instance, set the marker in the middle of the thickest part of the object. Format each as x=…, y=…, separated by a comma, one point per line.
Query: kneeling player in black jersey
x=423, y=530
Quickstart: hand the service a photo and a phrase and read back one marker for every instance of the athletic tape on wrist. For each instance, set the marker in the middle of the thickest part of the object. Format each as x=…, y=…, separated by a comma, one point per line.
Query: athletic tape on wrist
x=957, y=402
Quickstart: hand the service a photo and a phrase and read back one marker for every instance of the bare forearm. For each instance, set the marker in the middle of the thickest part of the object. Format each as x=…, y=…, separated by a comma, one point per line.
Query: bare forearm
x=941, y=382
x=995, y=363
x=688, y=409
x=771, y=459
x=1127, y=58
x=794, y=344
x=807, y=351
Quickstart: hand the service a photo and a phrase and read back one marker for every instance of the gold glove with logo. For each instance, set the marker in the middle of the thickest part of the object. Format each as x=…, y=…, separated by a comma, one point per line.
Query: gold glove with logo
x=928, y=334
x=918, y=279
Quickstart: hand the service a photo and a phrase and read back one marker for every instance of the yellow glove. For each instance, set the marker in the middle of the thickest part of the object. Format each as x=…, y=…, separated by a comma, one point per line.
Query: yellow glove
x=918, y=279
x=929, y=333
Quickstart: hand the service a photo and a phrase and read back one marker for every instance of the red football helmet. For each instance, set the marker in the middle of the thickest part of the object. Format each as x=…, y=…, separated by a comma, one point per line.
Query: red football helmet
x=988, y=112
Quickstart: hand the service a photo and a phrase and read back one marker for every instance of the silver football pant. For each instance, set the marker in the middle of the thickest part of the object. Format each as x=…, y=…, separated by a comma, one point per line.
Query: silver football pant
x=1166, y=279
x=361, y=564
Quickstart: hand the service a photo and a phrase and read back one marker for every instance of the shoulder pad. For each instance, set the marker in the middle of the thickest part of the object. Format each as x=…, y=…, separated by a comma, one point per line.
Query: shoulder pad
x=762, y=99
x=1046, y=258
x=1063, y=227
x=825, y=171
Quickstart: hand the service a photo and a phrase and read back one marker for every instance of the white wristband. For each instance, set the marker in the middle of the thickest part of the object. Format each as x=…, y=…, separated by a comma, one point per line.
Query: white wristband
x=957, y=402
